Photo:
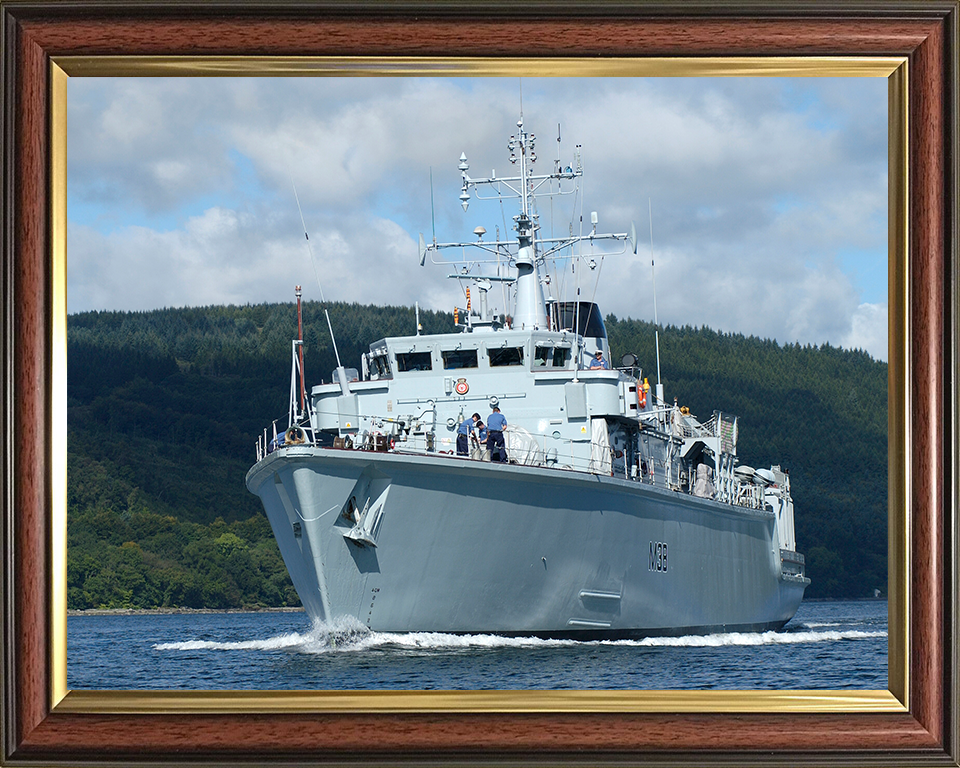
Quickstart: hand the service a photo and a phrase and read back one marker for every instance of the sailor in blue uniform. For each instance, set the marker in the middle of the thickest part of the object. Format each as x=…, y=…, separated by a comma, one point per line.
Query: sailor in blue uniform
x=478, y=442
x=466, y=427
x=598, y=362
x=495, y=426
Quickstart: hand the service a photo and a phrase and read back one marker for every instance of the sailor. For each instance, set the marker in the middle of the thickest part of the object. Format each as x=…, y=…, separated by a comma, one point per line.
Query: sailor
x=598, y=361
x=496, y=423
x=478, y=441
x=466, y=427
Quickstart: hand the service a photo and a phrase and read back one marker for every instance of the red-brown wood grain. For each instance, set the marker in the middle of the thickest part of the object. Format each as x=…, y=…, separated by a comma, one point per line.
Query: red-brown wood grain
x=34, y=33
x=290, y=737
x=927, y=286
x=30, y=355
x=578, y=37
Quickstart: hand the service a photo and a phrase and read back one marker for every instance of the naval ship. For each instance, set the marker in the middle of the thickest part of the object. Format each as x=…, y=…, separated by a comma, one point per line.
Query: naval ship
x=615, y=515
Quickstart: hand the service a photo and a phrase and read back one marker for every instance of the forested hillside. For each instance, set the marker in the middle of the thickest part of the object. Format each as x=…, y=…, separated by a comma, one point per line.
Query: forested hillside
x=165, y=408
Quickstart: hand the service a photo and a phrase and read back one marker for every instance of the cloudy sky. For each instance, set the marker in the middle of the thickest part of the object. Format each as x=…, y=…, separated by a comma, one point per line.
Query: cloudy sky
x=768, y=194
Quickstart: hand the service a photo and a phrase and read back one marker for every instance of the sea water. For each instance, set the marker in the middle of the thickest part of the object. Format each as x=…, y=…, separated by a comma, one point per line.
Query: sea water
x=828, y=645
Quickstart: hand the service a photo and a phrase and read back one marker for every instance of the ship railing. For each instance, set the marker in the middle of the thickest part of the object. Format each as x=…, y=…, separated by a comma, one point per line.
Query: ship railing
x=302, y=435
x=686, y=427
x=749, y=495
x=557, y=453
x=552, y=452
x=709, y=427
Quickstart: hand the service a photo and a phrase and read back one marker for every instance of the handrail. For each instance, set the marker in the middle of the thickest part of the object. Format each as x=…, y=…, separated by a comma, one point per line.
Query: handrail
x=742, y=494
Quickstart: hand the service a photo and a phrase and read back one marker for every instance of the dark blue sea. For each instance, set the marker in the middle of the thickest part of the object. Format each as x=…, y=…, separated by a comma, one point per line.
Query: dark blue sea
x=828, y=645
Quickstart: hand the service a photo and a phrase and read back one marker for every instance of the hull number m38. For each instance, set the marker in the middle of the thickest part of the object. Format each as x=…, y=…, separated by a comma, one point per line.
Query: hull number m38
x=658, y=556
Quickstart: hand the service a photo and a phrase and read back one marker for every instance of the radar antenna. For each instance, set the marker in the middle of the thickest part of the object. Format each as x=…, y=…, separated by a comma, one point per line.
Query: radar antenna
x=529, y=250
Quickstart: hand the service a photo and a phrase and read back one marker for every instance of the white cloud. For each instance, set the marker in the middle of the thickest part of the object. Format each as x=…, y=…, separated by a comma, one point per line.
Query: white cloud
x=761, y=189
x=868, y=330
x=226, y=257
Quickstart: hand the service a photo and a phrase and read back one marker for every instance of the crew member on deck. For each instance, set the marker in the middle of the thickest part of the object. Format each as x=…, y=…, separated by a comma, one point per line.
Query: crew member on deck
x=496, y=423
x=466, y=427
x=478, y=448
x=598, y=361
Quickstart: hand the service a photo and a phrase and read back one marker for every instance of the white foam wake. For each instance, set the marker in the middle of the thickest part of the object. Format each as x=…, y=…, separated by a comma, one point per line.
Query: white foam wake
x=322, y=636
x=752, y=638
x=348, y=634
x=291, y=640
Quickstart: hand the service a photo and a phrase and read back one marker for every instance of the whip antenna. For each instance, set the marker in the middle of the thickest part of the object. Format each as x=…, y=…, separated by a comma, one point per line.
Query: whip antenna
x=433, y=218
x=656, y=321
x=340, y=370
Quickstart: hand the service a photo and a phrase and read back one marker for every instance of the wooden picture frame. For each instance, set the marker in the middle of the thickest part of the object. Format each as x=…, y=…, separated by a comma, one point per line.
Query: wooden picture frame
x=917, y=721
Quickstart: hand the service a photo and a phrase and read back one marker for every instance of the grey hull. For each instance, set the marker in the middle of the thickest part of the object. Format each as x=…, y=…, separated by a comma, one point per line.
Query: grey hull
x=409, y=543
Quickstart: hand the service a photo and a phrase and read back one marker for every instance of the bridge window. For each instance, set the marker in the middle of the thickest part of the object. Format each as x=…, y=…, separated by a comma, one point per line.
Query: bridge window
x=582, y=317
x=505, y=356
x=414, y=361
x=380, y=367
x=459, y=358
x=555, y=357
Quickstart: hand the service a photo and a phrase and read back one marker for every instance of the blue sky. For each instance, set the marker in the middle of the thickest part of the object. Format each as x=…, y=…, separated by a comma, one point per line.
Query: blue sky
x=768, y=195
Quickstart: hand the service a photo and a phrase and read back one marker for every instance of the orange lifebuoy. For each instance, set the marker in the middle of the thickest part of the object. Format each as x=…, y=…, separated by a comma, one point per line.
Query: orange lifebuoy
x=641, y=396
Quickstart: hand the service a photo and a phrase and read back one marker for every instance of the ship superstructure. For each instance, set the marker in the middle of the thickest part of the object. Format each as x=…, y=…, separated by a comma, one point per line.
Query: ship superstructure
x=617, y=515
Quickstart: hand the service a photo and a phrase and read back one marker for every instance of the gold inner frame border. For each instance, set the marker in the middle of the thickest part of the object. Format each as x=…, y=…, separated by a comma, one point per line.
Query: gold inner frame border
x=895, y=699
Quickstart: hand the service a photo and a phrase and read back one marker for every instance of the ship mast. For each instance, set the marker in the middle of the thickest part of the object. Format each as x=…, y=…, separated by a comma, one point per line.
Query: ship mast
x=530, y=311
x=296, y=370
